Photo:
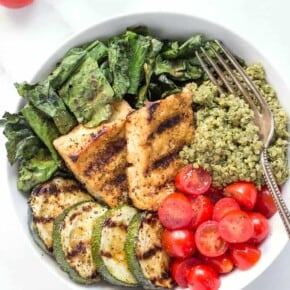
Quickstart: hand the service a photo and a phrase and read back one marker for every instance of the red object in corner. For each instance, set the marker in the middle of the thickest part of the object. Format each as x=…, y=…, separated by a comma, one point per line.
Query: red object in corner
x=15, y=3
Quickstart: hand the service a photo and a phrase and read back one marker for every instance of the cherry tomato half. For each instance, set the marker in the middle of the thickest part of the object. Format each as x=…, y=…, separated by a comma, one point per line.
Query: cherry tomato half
x=203, y=277
x=208, y=240
x=222, y=264
x=175, y=211
x=265, y=203
x=236, y=227
x=223, y=206
x=193, y=180
x=180, y=269
x=214, y=193
x=178, y=243
x=244, y=255
x=261, y=227
x=202, y=208
x=15, y=3
x=244, y=192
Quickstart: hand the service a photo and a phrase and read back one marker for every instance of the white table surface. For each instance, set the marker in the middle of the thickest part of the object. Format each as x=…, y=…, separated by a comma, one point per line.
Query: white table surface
x=29, y=35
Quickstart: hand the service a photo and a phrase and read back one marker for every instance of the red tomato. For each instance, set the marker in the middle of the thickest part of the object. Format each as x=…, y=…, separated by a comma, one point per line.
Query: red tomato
x=202, y=208
x=193, y=180
x=208, y=240
x=15, y=3
x=214, y=193
x=180, y=269
x=175, y=211
x=236, y=227
x=222, y=264
x=261, y=227
x=244, y=255
x=203, y=277
x=244, y=192
x=178, y=243
x=223, y=207
x=265, y=203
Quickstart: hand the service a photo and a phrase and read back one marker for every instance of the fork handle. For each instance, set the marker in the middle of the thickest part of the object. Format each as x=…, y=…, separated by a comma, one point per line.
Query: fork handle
x=275, y=192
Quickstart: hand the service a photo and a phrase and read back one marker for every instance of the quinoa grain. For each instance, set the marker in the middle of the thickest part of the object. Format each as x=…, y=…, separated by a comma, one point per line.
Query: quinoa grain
x=226, y=141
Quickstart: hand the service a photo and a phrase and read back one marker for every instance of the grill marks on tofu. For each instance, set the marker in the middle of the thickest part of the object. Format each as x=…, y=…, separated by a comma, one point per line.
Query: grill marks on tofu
x=97, y=157
x=155, y=135
x=105, y=156
x=148, y=140
x=50, y=199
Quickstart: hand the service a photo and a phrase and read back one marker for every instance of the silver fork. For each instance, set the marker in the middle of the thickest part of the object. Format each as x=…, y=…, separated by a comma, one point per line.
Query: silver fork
x=263, y=117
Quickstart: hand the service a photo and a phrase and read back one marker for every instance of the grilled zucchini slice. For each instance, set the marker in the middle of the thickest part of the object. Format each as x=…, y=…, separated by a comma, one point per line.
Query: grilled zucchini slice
x=146, y=259
x=36, y=238
x=50, y=199
x=109, y=235
x=72, y=235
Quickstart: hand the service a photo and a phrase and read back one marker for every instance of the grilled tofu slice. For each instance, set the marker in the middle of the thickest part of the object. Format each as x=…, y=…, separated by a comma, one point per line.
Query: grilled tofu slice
x=50, y=199
x=147, y=260
x=72, y=237
x=97, y=156
x=155, y=135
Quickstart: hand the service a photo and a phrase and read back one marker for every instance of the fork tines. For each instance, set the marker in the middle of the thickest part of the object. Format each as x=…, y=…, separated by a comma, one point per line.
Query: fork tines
x=225, y=67
x=263, y=117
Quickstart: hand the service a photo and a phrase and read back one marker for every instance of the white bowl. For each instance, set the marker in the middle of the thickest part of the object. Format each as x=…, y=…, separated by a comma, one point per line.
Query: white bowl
x=176, y=26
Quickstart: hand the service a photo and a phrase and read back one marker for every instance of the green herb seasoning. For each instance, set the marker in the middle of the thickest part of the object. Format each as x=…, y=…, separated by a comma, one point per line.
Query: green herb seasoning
x=226, y=141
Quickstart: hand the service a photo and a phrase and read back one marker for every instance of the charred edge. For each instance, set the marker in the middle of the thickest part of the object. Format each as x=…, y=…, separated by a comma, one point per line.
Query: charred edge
x=150, y=219
x=80, y=248
x=165, y=125
x=46, y=189
x=104, y=157
x=95, y=136
x=119, y=179
x=150, y=253
x=50, y=249
x=85, y=208
x=168, y=124
x=42, y=220
x=109, y=223
x=164, y=162
x=160, y=280
x=37, y=189
x=152, y=107
x=95, y=275
x=52, y=189
x=74, y=157
x=73, y=216
x=105, y=254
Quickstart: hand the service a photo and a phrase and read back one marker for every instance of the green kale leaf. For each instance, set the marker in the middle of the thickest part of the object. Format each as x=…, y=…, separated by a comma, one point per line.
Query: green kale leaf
x=178, y=69
x=43, y=97
x=35, y=161
x=86, y=92
x=21, y=143
x=119, y=65
x=137, y=54
x=40, y=168
x=97, y=50
x=187, y=49
x=149, y=66
x=66, y=67
x=43, y=127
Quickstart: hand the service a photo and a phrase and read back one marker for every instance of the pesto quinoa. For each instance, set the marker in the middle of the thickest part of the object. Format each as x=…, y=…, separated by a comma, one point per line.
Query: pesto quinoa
x=226, y=141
